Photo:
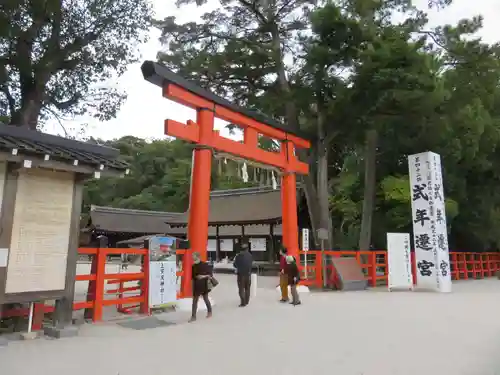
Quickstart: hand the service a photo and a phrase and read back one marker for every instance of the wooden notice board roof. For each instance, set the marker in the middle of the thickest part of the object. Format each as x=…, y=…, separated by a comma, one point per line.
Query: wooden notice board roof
x=122, y=220
x=20, y=141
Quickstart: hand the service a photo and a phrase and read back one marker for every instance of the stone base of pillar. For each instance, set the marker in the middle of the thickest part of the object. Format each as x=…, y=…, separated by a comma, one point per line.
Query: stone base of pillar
x=61, y=332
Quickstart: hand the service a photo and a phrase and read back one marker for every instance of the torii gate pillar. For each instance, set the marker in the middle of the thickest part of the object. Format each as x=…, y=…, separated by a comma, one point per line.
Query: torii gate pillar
x=290, y=230
x=199, y=198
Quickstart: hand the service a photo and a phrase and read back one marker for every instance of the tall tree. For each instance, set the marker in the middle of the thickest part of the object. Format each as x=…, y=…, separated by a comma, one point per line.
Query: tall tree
x=242, y=52
x=56, y=55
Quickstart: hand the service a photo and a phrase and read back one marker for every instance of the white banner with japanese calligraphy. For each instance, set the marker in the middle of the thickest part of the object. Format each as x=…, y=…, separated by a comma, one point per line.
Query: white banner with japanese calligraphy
x=429, y=222
x=162, y=283
x=399, y=261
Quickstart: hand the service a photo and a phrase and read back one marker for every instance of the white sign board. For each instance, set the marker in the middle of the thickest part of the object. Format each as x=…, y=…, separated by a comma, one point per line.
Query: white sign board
x=162, y=283
x=4, y=257
x=399, y=261
x=162, y=271
x=257, y=244
x=305, y=239
x=429, y=222
x=226, y=245
x=212, y=246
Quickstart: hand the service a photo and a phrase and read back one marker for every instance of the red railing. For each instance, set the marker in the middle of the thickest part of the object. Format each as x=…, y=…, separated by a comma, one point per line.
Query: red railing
x=97, y=294
x=464, y=266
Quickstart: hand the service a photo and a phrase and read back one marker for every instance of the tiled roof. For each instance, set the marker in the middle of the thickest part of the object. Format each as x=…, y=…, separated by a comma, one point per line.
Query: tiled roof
x=20, y=140
x=250, y=207
x=240, y=207
x=123, y=220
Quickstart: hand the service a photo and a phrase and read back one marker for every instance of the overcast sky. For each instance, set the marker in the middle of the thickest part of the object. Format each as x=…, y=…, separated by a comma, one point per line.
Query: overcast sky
x=145, y=109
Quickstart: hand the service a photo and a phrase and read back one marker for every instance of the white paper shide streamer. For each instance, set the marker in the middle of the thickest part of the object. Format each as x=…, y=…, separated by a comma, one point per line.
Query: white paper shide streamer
x=274, y=182
x=244, y=172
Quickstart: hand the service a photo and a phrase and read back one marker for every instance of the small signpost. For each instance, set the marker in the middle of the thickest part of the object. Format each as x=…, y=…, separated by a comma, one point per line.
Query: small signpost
x=162, y=272
x=399, y=261
x=323, y=236
x=305, y=247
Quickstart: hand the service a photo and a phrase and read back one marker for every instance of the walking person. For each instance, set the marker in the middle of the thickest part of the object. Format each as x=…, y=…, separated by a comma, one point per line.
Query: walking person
x=243, y=264
x=293, y=274
x=283, y=276
x=201, y=275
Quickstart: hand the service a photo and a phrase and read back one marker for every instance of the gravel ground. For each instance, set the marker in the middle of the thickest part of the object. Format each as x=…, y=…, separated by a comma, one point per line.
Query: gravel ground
x=371, y=333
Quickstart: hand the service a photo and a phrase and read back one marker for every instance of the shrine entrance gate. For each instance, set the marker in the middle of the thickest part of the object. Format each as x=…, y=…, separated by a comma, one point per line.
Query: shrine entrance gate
x=208, y=106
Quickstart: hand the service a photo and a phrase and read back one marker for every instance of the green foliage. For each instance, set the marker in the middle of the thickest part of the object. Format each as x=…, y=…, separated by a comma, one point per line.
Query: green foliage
x=159, y=179
x=350, y=65
x=56, y=54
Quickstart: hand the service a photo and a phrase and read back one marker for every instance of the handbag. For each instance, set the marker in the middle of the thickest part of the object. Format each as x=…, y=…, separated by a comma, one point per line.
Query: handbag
x=212, y=282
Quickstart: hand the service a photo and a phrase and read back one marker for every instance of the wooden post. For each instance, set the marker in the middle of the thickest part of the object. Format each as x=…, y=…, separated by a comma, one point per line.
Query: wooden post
x=289, y=209
x=272, y=255
x=199, y=200
x=99, y=285
x=91, y=289
x=144, y=308
x=217, y=244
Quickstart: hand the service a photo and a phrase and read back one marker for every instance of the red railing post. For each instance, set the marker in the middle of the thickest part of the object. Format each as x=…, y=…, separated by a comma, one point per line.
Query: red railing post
x=414, y=268
x=465, y=266
x=482, y=267
x=455, y=273
x=88, y=313
x=99, y=284
x=474, y=265
x=144, y=308
x=319, y=269
x=385, y=262
x=372, y=272
x=38, y=315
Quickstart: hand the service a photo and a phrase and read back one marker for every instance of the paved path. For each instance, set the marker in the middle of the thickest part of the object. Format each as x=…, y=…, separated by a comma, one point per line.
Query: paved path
x=370, y=333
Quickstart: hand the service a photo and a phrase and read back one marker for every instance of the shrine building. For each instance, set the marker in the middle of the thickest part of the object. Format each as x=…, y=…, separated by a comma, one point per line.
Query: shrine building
x=254, y=213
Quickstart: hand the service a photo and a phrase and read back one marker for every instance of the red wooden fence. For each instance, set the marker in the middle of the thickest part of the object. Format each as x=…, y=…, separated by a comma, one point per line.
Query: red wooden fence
x=464, y=266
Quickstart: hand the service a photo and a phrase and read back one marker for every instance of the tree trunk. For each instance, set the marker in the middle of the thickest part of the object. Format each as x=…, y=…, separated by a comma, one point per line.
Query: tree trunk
x=322, y=176
x=369, y=190
x=313, y=203
x=313, y=208
x=324, y=204
x=29, y=113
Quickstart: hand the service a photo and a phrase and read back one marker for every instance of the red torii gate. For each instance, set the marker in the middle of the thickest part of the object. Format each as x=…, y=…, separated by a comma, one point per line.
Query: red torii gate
x=202, y=133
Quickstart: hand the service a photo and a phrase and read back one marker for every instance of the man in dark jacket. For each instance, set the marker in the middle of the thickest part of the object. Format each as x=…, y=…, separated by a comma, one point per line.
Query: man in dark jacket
x=243, y=265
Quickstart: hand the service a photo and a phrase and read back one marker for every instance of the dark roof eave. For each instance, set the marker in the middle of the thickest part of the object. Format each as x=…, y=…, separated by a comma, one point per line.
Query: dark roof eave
x=49, y=139
x=276, y=220
x=17, y=143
